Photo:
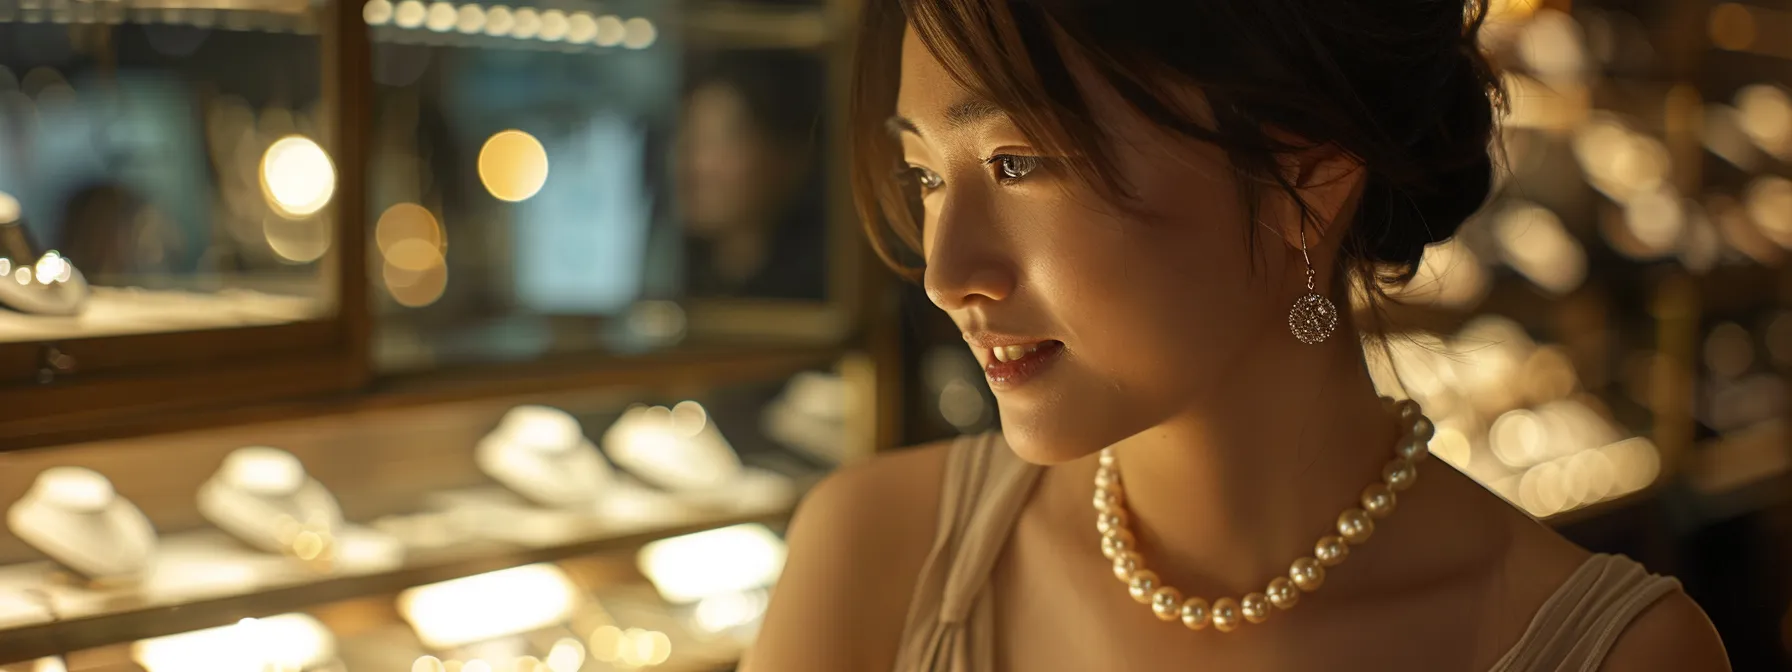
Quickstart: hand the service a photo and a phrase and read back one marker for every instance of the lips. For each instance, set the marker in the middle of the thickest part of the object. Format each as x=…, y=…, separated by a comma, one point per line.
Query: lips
x=1008, y=366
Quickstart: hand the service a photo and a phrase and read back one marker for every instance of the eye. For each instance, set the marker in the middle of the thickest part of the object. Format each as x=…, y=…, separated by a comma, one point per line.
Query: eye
x=926, y=179
x=1011, y=167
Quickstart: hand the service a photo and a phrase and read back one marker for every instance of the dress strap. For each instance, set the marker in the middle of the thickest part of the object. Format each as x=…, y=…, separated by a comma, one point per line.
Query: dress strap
x=984, y=488
x=1577, y=626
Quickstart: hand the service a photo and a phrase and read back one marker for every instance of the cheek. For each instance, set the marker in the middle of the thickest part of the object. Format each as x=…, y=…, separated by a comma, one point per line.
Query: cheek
x=1156, y=304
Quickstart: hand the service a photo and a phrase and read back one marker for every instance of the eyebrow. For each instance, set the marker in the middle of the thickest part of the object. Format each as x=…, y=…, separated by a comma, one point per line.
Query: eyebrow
x=958, y=115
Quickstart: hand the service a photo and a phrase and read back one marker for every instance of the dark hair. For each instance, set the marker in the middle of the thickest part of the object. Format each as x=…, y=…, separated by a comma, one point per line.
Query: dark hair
x=1399, y=85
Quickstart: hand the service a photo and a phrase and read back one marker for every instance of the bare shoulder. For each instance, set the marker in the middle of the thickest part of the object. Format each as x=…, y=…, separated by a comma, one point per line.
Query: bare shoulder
x=857, y=543
x=1673, y=634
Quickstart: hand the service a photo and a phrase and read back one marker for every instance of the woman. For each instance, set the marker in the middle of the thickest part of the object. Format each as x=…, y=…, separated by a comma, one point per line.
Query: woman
x=1142, y=215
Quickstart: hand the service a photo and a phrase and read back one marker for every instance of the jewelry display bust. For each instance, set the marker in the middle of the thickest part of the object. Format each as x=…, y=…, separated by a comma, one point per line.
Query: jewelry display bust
x=73, y=516
x=51, y=285
x=541, y=453
x=677, y=449
x=263, y=497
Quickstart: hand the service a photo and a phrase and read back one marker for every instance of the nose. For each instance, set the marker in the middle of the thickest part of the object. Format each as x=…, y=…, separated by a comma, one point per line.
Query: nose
x=967, y=260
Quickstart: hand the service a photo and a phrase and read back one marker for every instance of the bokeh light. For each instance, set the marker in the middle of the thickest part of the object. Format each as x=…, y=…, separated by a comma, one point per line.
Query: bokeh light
x=470, y=20
x=297, y=176
x=410, y=14
x=610, y=31
x=441, y=17
x=553, y=26
x=638, y=33
x=377, y=12
x=513, y=165
x=298, y=241
x=1731, y=26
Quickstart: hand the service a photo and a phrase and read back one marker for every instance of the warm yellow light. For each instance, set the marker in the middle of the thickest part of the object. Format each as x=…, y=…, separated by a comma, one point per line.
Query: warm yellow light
x=285, y=642
x=9, y=208
x=1535, y=243
x=722, y=612
x=1769, y=202
x=51, y=268
x=527, y=23
x=567, y=655
x=553, y=26
x=731, y=559
x=410, y=14
x=1510, y=10
x=297, y=240
x=610, y=31
x=581, y=28
x=471, y=20
x=513, y=165
x=638, y=33
x=499, y=21
x=297, y=177
x=1732, y=27
x=407, y=221
x=415, y=288
x=428, y=664
x=605, y=643
x=488, y=606
x=441, y=17
x=1766, y=116
x=22, y=275
x=377, y=12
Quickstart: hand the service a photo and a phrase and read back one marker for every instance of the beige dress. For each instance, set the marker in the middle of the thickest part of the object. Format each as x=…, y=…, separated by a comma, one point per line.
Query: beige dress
x=950, y=625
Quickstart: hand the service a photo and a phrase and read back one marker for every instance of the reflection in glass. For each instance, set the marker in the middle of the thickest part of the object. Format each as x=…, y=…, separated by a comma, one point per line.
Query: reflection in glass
x=532, y=200
x=159, y=164
x=749, y=179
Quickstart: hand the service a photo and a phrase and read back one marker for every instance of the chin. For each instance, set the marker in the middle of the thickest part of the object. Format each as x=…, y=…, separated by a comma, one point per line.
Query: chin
x=1043, y=445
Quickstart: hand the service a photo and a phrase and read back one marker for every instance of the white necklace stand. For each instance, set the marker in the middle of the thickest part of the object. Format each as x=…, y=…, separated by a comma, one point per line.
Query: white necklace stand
x=73, y=516
x=263, y=497
x=542, y=454
x=677, y=449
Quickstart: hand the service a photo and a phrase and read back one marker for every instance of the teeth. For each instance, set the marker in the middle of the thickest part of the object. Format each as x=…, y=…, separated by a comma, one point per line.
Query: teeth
x=1009, y=353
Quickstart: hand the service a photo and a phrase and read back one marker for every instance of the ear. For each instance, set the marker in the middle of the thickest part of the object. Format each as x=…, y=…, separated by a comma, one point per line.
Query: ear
x=1330, y=182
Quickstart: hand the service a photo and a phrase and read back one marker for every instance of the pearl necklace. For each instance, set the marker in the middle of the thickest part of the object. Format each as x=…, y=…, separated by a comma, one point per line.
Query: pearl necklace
x=1304, y=575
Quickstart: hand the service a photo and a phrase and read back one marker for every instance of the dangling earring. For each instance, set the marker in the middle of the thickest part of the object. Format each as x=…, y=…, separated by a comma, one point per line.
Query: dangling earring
x=1313, y=317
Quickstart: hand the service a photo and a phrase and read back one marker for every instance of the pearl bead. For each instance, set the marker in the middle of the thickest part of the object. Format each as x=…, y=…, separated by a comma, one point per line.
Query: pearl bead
x=1110, y=521
x=1166, y=603
x=1225, y=615
x=1355, y=526
x=1143, y=586
x=1408, y=410
x=1107, y=458
x=1107, y=501
x=1308, y=574
x=1378, y=500
x=1255, y=607
x=1107, y=478
x=1412, y=448
x=1399, y=474
x=1116, y=542
x=1423, y=429
x=1196, y=614
x=1331, y=551
x=1282, y=593
x=1125, y=564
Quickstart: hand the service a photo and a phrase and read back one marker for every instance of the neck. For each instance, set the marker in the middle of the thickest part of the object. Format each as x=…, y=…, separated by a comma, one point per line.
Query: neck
x=1227, y=493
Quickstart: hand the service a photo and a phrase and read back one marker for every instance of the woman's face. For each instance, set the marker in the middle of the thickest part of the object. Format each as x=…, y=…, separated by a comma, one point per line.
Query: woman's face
x=1137, y=315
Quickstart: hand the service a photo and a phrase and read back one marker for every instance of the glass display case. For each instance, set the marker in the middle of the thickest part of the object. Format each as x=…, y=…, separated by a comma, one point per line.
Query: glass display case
x=618, y=179
x=329, y=319
x=167, y=206
x=424, y=189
